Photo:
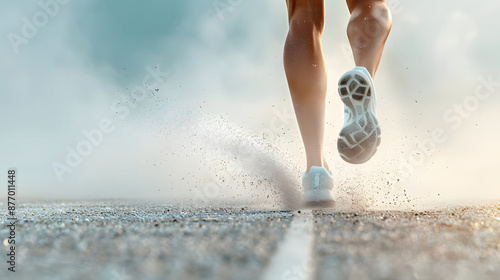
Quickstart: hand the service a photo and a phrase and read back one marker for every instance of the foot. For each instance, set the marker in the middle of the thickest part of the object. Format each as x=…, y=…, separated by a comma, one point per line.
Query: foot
x=317, y=184
x=360, y=136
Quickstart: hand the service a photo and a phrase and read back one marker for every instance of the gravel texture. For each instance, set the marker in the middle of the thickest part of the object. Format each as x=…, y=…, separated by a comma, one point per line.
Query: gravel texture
x=123, y=240
x=458, y=243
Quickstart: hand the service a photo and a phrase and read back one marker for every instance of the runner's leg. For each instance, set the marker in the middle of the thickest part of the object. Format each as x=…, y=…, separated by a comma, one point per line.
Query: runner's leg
x=306, y=74
x=368, y=28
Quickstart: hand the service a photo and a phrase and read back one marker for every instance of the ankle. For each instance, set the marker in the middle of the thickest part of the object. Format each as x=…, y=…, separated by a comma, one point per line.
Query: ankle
x=323, y=164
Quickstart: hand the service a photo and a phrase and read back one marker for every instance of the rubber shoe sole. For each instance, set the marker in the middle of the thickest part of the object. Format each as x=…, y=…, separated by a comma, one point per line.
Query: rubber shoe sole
x=360, y=136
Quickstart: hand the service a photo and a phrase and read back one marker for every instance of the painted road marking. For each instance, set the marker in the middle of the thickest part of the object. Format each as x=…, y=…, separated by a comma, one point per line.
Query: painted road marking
x=293, y=259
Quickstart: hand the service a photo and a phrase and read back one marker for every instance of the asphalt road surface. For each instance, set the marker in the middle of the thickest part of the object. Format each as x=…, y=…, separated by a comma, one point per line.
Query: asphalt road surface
x=122, y=240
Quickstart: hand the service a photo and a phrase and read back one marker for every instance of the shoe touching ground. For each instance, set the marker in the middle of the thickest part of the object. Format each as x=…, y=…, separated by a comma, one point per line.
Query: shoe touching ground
x=360, y=136
x=317, y=184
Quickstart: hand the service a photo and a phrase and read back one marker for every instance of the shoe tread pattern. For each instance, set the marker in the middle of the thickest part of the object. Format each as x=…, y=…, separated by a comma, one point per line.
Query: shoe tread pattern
x=359, y=138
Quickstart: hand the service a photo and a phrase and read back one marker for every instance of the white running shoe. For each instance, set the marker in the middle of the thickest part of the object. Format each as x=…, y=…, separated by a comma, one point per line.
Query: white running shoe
x=360, y=135
x=317, y=184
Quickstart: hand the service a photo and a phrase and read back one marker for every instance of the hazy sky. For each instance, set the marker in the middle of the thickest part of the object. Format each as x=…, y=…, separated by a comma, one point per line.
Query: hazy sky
x=71, y=67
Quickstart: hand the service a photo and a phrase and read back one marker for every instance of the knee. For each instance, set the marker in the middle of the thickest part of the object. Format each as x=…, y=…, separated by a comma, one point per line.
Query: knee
x=375, y=13
x=307, y=16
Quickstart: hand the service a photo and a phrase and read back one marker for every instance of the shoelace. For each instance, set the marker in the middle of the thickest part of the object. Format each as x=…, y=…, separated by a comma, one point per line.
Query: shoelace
x=315, y=181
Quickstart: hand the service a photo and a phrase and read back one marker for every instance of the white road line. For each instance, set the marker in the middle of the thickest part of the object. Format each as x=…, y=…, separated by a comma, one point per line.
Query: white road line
x=293, y=259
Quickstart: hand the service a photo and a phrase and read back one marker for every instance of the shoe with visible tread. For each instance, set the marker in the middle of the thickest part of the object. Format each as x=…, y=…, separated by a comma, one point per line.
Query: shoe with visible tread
x=360, y=135
x=317, y=184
